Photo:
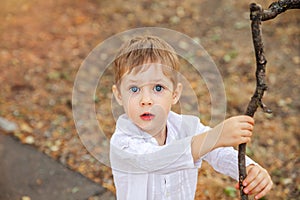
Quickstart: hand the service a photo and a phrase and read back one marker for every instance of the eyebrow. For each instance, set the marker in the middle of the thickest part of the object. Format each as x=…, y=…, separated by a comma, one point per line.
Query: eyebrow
x=132, y=81
x=155, y=80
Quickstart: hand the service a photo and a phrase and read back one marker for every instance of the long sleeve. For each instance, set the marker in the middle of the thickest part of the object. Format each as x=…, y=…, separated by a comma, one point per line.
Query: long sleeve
x=225, y=161
x=134, y=152
x=138, y=156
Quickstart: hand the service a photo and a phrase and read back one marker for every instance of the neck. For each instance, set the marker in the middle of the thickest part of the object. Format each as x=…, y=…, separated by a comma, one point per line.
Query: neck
x=161, y=137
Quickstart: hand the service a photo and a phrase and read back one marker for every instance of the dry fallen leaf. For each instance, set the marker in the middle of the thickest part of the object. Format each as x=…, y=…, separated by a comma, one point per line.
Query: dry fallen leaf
x=26, y=198
x=29, y=140
x=25, y=128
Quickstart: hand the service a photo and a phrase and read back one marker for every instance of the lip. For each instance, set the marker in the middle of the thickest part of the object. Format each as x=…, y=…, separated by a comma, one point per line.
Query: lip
x=147, y=116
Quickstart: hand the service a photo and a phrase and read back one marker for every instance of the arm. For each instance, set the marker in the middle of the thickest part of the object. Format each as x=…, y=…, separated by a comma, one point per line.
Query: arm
x=224, y=158
x=225, y=161
x=137, y=156
x=133, y=151
x=231, y=132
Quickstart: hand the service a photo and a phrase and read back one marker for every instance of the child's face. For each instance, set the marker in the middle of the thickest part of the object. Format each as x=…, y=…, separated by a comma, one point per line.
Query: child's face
x=147, y=97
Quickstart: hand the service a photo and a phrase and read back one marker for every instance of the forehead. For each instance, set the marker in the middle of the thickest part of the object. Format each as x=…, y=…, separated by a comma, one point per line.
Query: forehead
x=149, y=72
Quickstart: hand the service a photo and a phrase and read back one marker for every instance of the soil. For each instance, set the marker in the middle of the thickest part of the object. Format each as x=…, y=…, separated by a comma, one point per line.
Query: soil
x=43, y=44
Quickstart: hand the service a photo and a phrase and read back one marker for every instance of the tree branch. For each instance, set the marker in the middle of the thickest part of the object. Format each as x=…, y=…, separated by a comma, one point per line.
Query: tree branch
x=257, y=15
x=279, y=7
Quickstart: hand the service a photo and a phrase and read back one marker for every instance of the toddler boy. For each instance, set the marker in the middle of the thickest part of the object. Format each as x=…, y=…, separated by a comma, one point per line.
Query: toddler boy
x=155, y=153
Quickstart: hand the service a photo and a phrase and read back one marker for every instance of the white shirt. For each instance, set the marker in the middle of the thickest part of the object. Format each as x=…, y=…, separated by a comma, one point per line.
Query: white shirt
x=144, y=170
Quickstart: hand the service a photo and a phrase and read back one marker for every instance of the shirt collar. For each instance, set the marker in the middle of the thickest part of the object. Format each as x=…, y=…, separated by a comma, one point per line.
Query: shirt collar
x=126, y=126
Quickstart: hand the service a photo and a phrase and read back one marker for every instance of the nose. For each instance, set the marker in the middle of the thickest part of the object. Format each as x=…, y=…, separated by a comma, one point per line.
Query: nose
x=146, y=99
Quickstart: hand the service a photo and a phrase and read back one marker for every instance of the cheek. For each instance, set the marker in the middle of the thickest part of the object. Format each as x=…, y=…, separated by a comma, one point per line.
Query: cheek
x=132, y=110
x=167, y=101
x=133, y=100
x=164, y=104
x=130, y=103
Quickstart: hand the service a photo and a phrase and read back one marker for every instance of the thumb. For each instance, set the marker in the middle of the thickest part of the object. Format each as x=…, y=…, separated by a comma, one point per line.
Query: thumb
x=237, y=186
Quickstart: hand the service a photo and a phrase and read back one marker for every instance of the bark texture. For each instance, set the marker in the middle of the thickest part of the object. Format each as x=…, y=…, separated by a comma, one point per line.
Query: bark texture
x=257, y=15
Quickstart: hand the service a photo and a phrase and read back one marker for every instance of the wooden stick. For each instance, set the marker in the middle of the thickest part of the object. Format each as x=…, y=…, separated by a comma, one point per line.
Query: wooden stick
x=279, y=7
x=256, y=100
x=257, y=15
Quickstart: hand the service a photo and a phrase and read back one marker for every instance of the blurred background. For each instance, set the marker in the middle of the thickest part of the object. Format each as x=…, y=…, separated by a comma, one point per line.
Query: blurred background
x=43, y=44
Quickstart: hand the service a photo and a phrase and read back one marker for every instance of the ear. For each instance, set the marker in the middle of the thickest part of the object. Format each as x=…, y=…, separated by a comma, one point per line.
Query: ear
x=177, y=93
x=117, y=94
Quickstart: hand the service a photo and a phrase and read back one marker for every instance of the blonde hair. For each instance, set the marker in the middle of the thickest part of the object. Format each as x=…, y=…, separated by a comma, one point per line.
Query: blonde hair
x=145, y=49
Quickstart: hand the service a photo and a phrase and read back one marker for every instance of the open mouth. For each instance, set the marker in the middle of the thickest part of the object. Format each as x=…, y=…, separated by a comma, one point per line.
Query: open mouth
x=147, y=116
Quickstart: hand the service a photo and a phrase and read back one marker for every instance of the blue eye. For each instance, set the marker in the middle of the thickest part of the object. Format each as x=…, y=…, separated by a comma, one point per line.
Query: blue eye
x=158, y=88
x=134, y=89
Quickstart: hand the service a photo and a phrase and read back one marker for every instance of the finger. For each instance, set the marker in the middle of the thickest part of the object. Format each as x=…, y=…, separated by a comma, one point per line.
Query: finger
x=246, y=133
x=241, y=118
x=252, y=174
x=237, y=185
x=258, y=187
x=264, y=191
x=245, y=140
x=248, y=119
x=244, y=137
x=247, y=126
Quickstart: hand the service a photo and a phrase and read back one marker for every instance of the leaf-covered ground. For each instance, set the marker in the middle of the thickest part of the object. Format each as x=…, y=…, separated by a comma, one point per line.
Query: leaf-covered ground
x=43, y=44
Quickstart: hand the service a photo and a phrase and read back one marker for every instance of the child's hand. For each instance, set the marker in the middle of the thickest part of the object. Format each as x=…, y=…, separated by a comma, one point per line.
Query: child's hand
x=257, y=182
x=234, y=131
x=231, y=132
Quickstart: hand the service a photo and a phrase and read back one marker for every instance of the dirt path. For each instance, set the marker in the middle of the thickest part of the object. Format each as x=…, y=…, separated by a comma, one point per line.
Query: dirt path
x=32, y=174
